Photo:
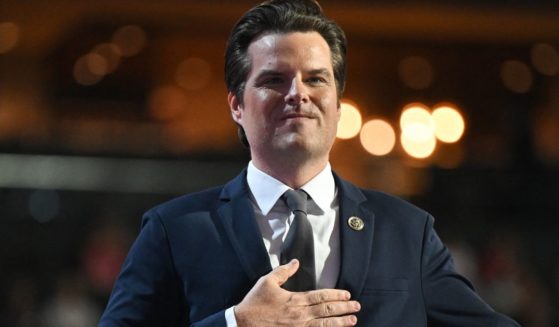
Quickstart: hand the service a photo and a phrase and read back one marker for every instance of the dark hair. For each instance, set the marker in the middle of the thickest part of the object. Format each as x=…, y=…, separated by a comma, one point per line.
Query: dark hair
x=280, y=16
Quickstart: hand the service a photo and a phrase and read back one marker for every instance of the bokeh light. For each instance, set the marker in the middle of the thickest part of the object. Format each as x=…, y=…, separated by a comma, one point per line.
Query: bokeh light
x=9, y=36
x=419, y=148
x=130, y=40
x=350, y=121
x=516, y=76
x=416, y=122
x=97, y=64
x=545, y=59
x=110, y=53
x=418, y=131
x=545, y=130
x=193, y=74
x=44, y=205
x=449, y=123
x=416, y=72
x=377, y=137
x=167, y=102
x=82, y=70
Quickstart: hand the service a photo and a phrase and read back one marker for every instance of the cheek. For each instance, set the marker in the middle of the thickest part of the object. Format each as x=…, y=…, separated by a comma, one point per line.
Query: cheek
x=260, y=94
x=331, y=109
x=266, y=101
x=328, y=100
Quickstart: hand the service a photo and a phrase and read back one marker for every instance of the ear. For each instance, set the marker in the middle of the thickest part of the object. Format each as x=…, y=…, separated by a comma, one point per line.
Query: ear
x=235, y=107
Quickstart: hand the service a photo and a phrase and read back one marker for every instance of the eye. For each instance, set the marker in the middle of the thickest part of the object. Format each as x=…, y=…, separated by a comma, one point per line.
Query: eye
x=273, y=80
x=316, y=80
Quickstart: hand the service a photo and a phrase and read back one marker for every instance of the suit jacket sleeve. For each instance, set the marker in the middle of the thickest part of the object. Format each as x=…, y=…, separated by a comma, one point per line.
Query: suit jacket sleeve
x=449, y=298
x=148, y=291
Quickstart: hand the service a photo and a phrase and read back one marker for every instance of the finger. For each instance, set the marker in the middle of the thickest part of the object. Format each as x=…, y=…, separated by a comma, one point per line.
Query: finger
x=344, y=321
x=321, y=296
x=333, y=309
x=282, y=273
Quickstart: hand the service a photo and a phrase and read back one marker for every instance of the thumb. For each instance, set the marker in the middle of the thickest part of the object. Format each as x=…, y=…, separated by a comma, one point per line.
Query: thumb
x=282, y=273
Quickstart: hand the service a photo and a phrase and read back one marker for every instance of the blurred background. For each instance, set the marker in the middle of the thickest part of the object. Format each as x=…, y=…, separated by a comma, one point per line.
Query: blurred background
x=110, y=107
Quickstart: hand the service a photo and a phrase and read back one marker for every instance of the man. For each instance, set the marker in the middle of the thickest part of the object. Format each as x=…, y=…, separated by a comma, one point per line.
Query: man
x=222, y=256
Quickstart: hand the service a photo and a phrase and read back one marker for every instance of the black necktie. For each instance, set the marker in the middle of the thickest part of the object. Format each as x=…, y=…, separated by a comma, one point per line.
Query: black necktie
x=299, y=243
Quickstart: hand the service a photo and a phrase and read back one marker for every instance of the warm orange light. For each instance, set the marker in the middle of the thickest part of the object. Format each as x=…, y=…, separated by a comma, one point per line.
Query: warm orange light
x=418, y=131
x=449, y=124
x=377, y=137
x=545, y=59
x=350, y=121
x=167, y=102
x=9, y=36
x=516, y=76
x=97, y=64
x=110, y=53
x=193, y=74
x=418, y=148
x=416, y=122
x=130, y=40
x=83, y=73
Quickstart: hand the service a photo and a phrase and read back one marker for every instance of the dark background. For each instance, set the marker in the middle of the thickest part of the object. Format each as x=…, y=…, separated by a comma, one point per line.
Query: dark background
x=79, y=164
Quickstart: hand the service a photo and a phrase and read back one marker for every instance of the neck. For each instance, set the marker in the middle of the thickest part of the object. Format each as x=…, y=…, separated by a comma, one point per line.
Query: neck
x=291, y=172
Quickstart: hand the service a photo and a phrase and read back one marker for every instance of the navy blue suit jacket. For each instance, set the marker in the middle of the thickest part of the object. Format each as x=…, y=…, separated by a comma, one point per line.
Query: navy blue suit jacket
x=200, y=254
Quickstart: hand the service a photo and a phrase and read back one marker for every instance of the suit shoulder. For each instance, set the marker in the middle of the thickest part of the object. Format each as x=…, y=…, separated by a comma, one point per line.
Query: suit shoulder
x=379, y=197
x=392, y=206
x=377, y=201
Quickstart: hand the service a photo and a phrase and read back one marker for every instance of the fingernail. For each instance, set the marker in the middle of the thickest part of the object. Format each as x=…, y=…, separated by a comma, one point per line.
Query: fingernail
x=357, y=306
x=347, y=295
x=353, y=320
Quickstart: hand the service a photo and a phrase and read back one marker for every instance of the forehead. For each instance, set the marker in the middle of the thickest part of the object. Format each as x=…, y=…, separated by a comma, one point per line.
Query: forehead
x=289, y=49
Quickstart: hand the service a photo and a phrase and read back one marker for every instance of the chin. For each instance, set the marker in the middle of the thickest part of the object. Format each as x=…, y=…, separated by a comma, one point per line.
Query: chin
x=296, y=141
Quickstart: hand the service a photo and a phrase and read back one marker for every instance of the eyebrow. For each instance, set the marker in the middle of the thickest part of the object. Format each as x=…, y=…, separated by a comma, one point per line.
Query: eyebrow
x=319, y=71
x=267, y=72
x=272, y=72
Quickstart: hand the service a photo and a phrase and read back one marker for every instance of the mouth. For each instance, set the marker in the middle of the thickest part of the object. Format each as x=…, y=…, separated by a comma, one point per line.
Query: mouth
x=296, y=116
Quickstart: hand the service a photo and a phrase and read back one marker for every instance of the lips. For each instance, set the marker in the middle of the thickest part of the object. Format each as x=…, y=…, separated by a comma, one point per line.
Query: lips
x=297, y=115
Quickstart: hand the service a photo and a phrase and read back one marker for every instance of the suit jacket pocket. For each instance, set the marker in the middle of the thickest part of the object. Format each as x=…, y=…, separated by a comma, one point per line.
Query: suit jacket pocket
x=386, y=302
x=385, y=285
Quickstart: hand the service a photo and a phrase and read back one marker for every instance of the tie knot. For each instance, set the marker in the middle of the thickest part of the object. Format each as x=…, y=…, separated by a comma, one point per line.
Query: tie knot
x=296, y=200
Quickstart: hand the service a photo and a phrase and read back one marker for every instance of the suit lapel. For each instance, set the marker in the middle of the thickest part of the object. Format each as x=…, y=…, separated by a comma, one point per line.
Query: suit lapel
x=240, y=225
x=356, y=245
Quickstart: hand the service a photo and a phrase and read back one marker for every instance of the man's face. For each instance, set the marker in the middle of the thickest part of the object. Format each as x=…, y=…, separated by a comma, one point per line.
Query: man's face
x=290, y=105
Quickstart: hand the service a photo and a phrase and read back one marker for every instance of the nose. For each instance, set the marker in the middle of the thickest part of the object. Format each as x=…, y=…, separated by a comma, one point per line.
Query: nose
x=297, y=93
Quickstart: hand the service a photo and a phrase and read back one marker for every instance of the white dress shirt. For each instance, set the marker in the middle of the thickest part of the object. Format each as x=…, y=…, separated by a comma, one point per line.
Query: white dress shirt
x=274, y=218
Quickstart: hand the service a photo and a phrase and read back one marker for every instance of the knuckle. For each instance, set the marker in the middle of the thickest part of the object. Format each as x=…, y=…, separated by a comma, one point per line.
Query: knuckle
x=260, y=282
x=313, y=298
x=318, y=297
x=328, y=310
x=264, y=280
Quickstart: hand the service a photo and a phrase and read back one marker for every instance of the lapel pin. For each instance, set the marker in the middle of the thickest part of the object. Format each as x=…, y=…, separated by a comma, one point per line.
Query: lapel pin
x=355, y=223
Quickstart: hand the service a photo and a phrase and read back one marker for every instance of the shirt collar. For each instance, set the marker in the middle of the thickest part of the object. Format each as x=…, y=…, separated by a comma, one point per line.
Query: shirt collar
x=267, y=190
